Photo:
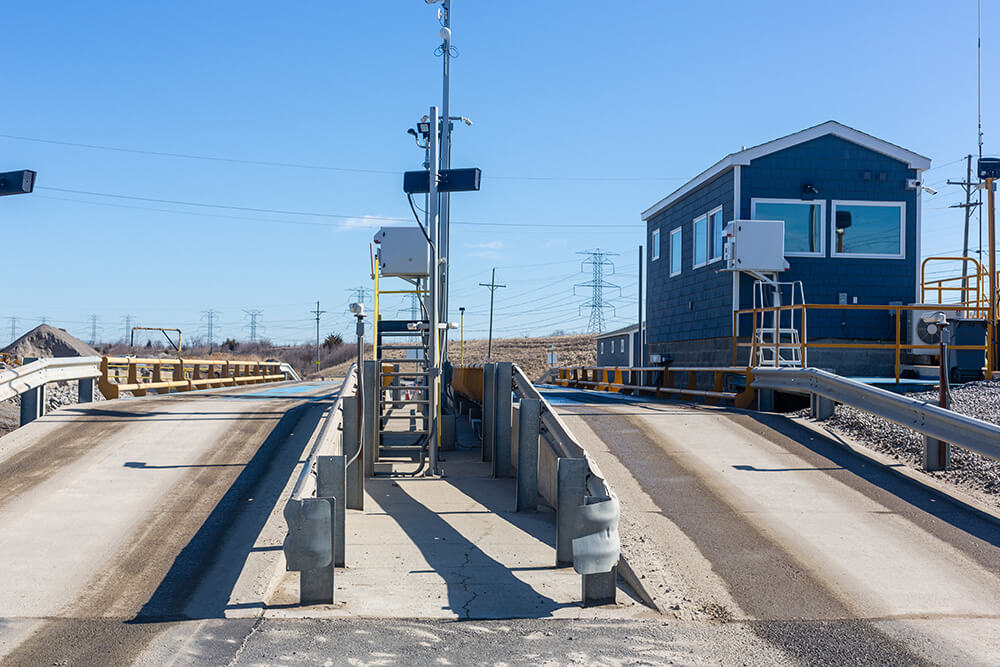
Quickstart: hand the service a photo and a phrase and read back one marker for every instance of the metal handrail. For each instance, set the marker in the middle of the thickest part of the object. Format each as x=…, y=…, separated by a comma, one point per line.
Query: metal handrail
x=305, y=485
x=559, y=437
x=925, y=418
x=16, y=381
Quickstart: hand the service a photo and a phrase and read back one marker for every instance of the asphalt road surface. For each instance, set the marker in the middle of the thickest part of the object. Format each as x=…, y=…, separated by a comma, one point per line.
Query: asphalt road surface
x=824, y=554
x=111, y=513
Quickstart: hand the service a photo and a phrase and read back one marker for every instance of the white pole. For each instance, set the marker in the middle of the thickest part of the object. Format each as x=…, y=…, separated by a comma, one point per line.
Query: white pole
x=434, y=229
x=445, y=206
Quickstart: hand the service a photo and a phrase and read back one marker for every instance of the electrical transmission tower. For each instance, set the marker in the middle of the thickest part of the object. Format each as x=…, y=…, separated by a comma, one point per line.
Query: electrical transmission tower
x=127, y=319
x=210, y=316
x=360, y=294
x=413, y=310
x=600, y=266
x=93, y=329
x=253, y=315
x=13, y=328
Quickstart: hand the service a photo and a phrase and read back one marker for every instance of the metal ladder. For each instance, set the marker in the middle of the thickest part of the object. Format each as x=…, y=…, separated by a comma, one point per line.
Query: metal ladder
x=394, y=376
x=777, y=337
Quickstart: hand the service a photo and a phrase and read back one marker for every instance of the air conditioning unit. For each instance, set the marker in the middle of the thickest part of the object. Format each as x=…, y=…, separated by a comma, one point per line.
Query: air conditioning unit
x=922, y=333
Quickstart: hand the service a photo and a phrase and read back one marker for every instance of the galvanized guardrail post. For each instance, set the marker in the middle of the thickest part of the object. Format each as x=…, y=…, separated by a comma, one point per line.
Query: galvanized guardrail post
x=369, y=379
x=309, y=547
x=502, y=412
x=352, y=451
x=820, y=407
x=489, y=410
x=33, y=400
x=331, y=482
x=528, y=421
x=571, y=489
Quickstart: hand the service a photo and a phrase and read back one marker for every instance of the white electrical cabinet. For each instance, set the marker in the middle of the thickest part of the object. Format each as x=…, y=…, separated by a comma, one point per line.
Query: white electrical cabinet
x=755, y=245
x=403, y=252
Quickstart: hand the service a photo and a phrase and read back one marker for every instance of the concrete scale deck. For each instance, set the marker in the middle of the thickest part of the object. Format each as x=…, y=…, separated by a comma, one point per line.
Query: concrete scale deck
x=451, y=548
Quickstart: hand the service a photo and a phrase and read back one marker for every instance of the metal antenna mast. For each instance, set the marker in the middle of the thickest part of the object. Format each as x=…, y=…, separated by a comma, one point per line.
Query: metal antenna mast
x=599, y=266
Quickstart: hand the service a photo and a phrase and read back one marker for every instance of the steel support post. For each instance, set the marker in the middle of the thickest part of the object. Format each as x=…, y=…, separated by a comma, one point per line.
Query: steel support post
x=501, y=419
x=352, y=451
x=765, y=400
x=489, y=409
x=316, y=585
x=571, y=489
x=331, y=482
x=369, y=422
x=528, y=422
x=600, y=588
x=937, y=454
x=820, y=407
x=85, y=390
x=32, y=404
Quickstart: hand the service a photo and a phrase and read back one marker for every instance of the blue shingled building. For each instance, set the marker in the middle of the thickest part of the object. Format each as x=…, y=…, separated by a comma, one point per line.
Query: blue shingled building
x=812, y=180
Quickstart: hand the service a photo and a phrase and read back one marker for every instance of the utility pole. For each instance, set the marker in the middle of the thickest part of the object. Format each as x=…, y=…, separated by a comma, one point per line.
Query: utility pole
x=434, y=286
x=93, y=329
x=461, y=336
x=13, y=328
x=493, y=288
x=641, y=357
x=253, y=315
x=317, y=313
x=210, y=316
x=445, y=163
x=599, y=264
x=969, y=188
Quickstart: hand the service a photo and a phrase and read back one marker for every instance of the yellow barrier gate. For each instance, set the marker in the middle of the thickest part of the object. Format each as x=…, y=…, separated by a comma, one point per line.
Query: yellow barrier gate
x=140, y=376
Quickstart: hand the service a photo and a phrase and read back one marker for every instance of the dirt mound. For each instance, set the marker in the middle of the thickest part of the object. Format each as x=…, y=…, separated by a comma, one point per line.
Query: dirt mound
x=45, y=341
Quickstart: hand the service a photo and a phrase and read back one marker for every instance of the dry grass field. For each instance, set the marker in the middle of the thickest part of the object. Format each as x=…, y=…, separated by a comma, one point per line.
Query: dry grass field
x=528, y=353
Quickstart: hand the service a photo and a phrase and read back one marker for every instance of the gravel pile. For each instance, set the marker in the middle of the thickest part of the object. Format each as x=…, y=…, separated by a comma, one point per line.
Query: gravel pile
x=968, y=469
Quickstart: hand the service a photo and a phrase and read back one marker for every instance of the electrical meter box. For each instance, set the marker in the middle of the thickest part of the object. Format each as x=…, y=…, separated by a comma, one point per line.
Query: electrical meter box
x=403, y=252
x=755, y=245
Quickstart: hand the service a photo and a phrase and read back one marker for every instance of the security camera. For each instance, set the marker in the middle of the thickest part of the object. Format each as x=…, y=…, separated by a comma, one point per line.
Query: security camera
x=917, y=184
x=357, y=308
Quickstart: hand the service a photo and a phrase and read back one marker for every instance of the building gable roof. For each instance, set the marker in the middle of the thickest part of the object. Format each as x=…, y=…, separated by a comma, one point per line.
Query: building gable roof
x=632, y=328
x=744, y=157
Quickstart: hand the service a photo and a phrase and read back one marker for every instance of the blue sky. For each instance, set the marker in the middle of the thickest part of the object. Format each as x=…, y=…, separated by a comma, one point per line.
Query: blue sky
x=584, y=113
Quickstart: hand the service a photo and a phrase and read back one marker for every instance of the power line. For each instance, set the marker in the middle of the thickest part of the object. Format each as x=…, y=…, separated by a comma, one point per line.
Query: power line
x=319, y=167
x=599, y=263
x=251, y=209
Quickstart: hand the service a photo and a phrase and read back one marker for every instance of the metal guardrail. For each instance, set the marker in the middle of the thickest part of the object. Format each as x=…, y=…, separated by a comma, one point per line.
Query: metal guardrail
x=660, y=381
x=315, y=512
x=927, y=419
x=35, y=374
x=549, y=462
x=140, y=376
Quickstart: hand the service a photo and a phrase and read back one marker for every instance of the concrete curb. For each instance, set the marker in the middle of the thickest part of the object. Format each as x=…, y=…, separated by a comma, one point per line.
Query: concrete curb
x=899, y=468
x=635, y=583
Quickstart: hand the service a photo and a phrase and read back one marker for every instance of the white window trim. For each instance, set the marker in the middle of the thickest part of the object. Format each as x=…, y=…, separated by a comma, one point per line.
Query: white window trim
x=822, y=221
x=863, y=255
x=709, y=237
x=655, y=249
x=694, y=241
x=679, y=232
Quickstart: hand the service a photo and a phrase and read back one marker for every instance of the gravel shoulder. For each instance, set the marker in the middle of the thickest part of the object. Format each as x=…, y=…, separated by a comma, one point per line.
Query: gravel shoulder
x=970, y=473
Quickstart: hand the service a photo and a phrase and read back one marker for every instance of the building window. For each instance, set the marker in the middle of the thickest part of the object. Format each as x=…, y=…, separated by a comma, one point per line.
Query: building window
x=869, y=229
x=803, y=223
x=676, y=241
x=621, y=348
x=700, y=241
x=654, y=244
x=600, y=347
x=715, y=235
